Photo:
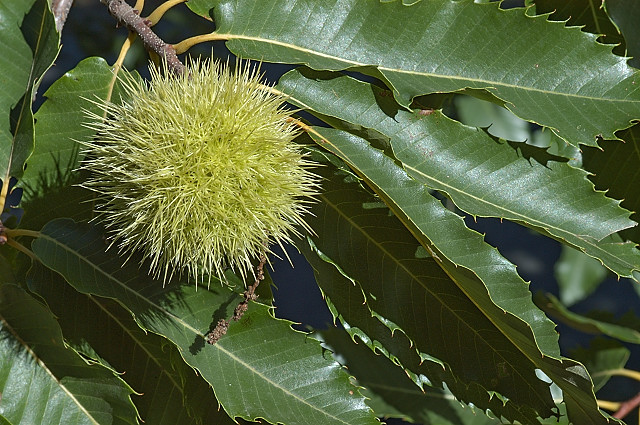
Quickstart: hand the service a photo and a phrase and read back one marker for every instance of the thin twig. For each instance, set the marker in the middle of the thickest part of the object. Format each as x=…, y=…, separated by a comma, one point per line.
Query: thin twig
x=627, y=406
x=249, y=295
x=117, y=66
x=633, y=374
x=60, y=10
x=130, y=18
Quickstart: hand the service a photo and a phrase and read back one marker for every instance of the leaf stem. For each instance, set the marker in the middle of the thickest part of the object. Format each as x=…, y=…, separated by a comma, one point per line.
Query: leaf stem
x=306, y=128
x=627, y=406
x=17, y=245
x=14, y=233
x=117, y=66
x=633, y=374
x=609, y=405
x=157, y=14
x=188, y=43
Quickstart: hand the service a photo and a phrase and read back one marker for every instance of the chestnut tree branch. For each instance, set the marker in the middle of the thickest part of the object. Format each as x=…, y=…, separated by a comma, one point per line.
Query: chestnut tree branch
x=129, y=17
x=60, y=9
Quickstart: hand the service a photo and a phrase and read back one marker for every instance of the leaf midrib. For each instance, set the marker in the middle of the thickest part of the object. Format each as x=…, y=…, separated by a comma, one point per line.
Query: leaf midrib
x=186, y=326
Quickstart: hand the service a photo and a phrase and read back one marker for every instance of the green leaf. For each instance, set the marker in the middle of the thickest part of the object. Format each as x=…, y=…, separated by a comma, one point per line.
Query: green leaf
x=260, y=369
x=498, y=121
x=44, y=382
x=391, y=393
x=34, y=45
x=372, y=330
x=200, y=7
x=615, y=169
x=587, y=14
x=482, y=176
x=602, y=358
x=67, y=201
x=59, y=123
x=445, y=233
x=170, y=392
x=607, y=326
x=481, y=350
x=502, y=123
x=578, y=275
x=625, y=15
x=439, y=46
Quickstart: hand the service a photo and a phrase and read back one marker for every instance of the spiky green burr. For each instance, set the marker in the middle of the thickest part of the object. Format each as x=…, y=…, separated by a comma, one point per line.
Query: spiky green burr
x=199, y=172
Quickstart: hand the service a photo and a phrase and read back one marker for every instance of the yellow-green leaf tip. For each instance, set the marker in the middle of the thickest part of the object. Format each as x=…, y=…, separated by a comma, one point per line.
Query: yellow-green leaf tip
x=199, y=172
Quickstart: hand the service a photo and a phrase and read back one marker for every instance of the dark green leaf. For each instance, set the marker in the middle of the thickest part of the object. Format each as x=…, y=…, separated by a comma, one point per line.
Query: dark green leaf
x=34, y=42
x=260, y=368
x=626, y=15
x=68, y=201
x=607, y=326
x=44, y=382
x=587, y=14
x=370, y=273
x=602, y=358
x=483, y=176
x=615, y=169
x=372, y=330
x=439, y=46
x=444, y=233
x=171, y=393
x=391, y=392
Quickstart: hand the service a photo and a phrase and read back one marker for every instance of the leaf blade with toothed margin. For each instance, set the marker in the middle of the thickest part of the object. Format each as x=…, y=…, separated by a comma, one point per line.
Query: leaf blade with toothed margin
x=60, y=123
x=42, y=381
x=387, y=287
x=35, y=44
x=615, y=169
x=171, y=393
x=625, y=16
x=391, y=392
x=481, y=175
x=588, y=15
x=546, y=73
x=260, y=369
